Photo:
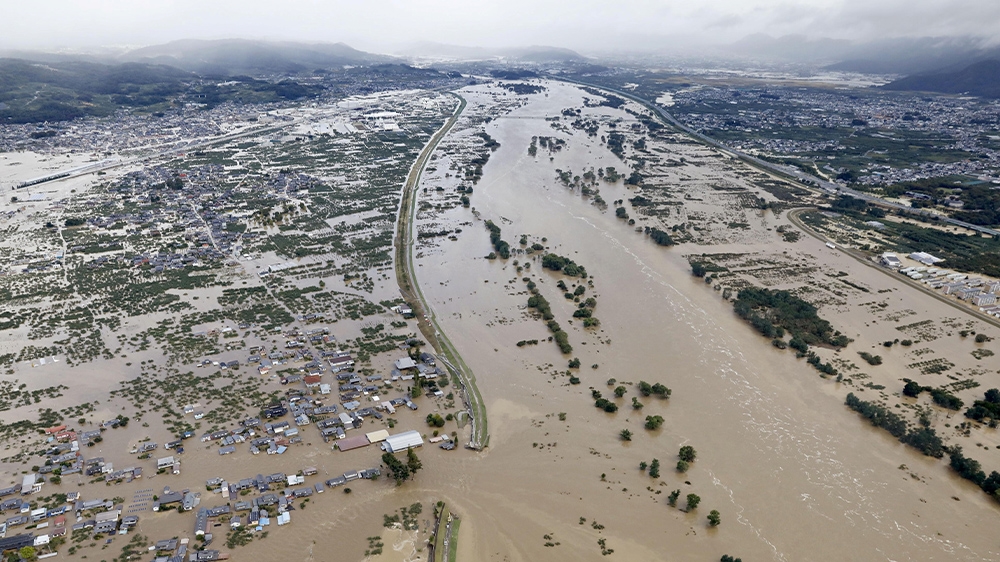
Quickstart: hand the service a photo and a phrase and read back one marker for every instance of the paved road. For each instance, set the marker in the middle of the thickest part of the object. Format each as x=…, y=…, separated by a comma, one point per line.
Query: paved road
x=787, y=171
x=410, y=289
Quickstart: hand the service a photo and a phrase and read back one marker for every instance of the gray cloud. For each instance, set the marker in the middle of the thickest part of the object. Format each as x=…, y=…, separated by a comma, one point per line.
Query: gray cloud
x=587, y=25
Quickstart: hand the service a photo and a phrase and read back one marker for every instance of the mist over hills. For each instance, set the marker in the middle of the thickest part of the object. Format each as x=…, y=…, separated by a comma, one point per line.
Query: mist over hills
x=534, y=53
x=978, y=79
x=244, y=56
x=904, y=55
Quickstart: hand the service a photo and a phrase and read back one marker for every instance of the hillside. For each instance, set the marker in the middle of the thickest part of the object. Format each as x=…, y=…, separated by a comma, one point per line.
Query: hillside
x=978, y=79
x=34, y=92
x=243, y=56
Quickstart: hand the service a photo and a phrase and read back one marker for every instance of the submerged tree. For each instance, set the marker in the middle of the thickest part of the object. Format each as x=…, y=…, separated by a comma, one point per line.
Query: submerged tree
x=692, y=501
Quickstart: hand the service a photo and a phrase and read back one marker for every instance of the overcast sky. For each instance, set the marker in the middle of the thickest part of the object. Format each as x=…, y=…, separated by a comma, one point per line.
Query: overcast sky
x=586, y=25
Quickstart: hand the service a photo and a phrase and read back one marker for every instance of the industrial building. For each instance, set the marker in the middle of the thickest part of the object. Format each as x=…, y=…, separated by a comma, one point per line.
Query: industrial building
x=402, y=441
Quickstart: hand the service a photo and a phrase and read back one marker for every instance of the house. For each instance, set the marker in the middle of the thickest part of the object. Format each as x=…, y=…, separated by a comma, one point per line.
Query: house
x=984, y=299
x=201, y=522
x=951, y=288
x=207, y=556
x=111, y=515
x=30, y=484
x=405, y=363
x=168, y=499
x=55, y=429
x=968, y=292
x=166, y=545
x=350, y=443
x=377, y=436
x=312, y=381
x=165, y=463
x=16, y=542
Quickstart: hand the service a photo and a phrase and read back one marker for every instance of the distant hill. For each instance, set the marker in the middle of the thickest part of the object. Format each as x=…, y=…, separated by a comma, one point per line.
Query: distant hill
x=914, y=56
x=900, y=55
x=243, y=56
x=535, y=54
x=544, y=54
x=33, y=91
x=978, y=79
x=790, y=48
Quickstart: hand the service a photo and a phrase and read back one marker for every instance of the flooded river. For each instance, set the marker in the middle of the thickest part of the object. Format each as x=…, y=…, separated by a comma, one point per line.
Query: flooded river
x=793, y=473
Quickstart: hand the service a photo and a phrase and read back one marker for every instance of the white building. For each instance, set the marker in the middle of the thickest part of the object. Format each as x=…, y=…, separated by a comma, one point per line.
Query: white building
x=402, y=441
x=925, y=258
x=984, y=299
x=889, y=260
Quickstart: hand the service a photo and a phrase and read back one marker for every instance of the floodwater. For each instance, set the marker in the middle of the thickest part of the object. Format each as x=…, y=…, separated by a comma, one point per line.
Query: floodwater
x=794, y=474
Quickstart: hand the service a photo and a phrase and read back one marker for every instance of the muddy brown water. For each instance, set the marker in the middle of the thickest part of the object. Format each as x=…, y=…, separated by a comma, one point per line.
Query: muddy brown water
x=794, y=474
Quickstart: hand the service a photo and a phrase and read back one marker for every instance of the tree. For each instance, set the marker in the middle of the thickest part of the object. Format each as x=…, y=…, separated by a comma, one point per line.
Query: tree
x=400, y=472
x=687, y=453
x=993, y=396
x=661, y=391
x=692, y=501
x=672, y=498
x=728, y=558
x=412, y=462
x=642, y=466
x=620, y=391
x=27, y=552
x=713, y=518
x=654, y=422
x=636, y=405
x=912, y=389
x=654, y=469
x=626, y=435
x=682, y=466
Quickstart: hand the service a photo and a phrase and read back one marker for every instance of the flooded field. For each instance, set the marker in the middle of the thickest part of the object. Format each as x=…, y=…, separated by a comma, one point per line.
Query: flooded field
x=544, y=169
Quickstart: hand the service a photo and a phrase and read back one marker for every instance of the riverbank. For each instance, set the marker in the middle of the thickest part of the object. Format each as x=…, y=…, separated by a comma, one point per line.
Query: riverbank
x=410, y=289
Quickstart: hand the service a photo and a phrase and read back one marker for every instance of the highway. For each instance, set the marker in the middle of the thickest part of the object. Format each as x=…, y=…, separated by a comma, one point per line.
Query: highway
x=786, y=171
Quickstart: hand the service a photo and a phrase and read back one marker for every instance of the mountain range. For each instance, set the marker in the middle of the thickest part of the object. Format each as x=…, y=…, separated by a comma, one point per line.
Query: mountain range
x=904, y=55
x=978, y=79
